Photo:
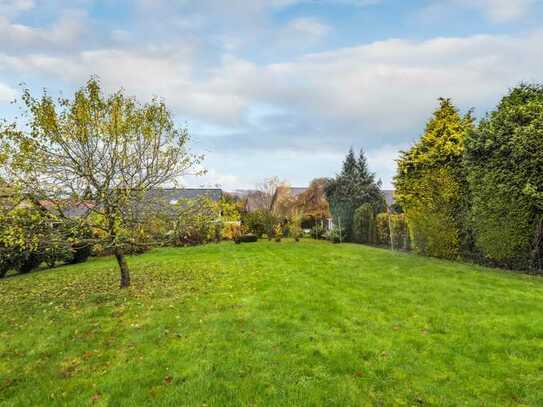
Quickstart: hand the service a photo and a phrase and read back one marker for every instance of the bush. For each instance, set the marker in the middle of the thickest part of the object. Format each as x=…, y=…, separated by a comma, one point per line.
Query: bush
x=28, y=236
x=231, y=230
x=335, y=235
x=278, y=232
x=6, y=260
x=260, y=222
x=28, y=261
x=431, y=185
x=364, y=224
x=317, y=232
x=295, y=227
x=196, y=222
x=248, y=238
x=504, y=160
x=81, y=253
x=382, y=230
x=399, y=232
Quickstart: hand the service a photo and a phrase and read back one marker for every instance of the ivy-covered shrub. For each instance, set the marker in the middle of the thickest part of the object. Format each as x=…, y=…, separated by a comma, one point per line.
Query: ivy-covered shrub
x=431, y=185
x=382, y=230
x=504, y=160
x=364, y=228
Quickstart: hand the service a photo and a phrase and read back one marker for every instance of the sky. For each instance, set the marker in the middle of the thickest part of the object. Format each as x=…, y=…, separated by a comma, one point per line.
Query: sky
x=279, y=87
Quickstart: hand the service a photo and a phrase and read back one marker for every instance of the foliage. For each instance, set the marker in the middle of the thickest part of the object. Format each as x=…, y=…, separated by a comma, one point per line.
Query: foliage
x=260, y=222
x=382, y=229
x=28, y=236
x=354, y=186
x=399, y=232
x=278, y=232
x=317, y=231
x=229, y=209
x=106, y=150
x=196, y=221
x=283, y=204
x=431, y=185
x=231, y=230
x=295, y=226
x=504, y=157
x=335, y=235
x=313, y=203
x=364, y=227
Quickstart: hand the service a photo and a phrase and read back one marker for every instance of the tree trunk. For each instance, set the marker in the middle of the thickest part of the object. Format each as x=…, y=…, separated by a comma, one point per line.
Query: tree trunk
x=123, y=266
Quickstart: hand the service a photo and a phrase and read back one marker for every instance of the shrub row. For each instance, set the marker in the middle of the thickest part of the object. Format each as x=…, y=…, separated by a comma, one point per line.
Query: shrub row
x=476, y=190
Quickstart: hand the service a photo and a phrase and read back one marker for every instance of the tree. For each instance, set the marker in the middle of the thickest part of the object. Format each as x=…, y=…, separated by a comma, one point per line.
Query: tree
x=107, y=151
x=504, y=160
x=354, y=186
x=431, y=185
x=313, y=203
x=267, y=191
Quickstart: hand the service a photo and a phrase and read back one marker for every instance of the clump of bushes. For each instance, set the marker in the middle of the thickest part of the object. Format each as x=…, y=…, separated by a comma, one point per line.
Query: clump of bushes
x=260, y=222
x=196, y=221
x=32, y=235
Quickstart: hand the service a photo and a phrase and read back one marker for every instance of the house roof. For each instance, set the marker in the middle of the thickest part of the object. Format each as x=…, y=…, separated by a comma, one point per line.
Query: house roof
x=295, y=191
x=256, y=200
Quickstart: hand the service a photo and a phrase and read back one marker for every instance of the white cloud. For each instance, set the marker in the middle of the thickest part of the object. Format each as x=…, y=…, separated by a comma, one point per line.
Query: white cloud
x=14, y=7
x=65, y=32
x=360, y=87
x=498, y=11
x=7, y=93
x=309, y=26
x=502, y=10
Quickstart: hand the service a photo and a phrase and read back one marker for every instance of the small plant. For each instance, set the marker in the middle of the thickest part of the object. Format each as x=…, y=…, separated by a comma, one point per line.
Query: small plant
x=278, y=232
x=317, y=232
x=295, y=227
x=335, y=235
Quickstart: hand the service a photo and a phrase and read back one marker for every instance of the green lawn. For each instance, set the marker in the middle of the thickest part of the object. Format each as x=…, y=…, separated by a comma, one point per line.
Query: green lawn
x=272, y=324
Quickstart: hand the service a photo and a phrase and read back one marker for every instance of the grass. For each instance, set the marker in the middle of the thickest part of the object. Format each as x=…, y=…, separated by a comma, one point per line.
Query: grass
x=272, y=324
